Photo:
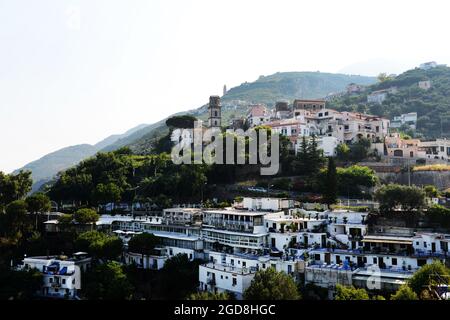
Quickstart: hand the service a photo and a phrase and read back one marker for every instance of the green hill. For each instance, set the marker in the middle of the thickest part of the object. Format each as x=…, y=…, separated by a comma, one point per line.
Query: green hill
x=432, y=105
x=267, y=89
x=293, y=85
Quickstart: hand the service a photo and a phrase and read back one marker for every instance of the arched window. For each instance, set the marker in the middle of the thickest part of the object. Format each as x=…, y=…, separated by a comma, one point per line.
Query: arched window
x=398, y=153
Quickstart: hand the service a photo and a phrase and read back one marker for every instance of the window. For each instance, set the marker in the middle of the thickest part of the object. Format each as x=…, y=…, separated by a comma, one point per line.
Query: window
x=50, y=280
x=244, y=264
x=374, y=260
x=232, y=262
x=326, y=113
x=221, y=277
x=234, y=282
x=394, y=261
x=63, y=281
x=317, y=257
x=73, y=281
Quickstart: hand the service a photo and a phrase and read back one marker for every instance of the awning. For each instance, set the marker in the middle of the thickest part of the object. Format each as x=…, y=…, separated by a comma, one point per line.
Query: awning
x=393, y=241
x=383, y=280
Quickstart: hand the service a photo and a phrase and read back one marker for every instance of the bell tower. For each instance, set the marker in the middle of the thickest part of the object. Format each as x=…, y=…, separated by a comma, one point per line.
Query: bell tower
x=214, y=112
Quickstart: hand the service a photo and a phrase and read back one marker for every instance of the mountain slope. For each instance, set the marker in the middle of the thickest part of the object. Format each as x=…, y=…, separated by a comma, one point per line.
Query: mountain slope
x=49, y=165
x=268, y=90
x=432, y=105
x=293, y=85
x=115, y=137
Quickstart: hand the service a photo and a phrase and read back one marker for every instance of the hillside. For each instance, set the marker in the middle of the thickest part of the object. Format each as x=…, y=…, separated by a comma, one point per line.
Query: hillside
x=432, y=105
x=268, y=90
x=49, y=165
x=293, y=85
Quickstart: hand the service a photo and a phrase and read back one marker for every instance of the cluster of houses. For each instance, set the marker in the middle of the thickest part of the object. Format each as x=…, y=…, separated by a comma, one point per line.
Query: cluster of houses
x=324, y=248
x=306, y=118
x=397, y=147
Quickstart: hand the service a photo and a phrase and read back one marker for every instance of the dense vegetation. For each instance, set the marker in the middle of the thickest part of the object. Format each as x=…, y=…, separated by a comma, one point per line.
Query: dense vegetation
x=432, y=105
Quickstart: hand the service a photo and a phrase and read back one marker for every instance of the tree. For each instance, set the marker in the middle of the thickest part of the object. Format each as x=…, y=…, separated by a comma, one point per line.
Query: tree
x=404, y=293
x=99, y=245
x=309, y=158
x=350, y=180
x=184, y=121
x=19, y=285
x=86, y=216
x=38, y=203
x=439, y=214
x=394, y=195
x=106, y=193
x=428, y=274
x=108, y=282
x=431, y=191
x=350, y=293
x=143, y=243
x=330, y=193
x=14, y=186
x=343, y=152
x=15, y=221
x=209, y=296
x=272, y=285
x=383, y=77
x=178, y=277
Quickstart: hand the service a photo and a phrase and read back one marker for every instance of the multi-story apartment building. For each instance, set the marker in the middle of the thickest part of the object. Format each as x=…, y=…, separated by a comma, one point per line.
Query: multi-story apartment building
x=258, y=115
x=409, y=119
x=61, y=274
x=328, y=247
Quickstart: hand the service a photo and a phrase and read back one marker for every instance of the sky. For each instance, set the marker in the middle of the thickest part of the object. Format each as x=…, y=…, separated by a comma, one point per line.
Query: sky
x=76, y=71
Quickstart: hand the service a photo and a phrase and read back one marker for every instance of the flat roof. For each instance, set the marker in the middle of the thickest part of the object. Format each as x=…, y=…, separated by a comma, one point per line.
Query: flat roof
x=239, y=212
x=246, y=234
x=388, y=239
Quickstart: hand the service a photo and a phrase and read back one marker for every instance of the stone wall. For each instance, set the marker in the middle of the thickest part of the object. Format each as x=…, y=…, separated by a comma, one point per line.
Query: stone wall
x=441, y=179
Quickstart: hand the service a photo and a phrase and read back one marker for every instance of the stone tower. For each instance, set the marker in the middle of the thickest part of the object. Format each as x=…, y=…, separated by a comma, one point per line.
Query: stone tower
x=224, y=89
x=214, y=112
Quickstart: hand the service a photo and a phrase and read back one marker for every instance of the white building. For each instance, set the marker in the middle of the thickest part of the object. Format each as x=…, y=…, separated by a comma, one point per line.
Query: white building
x=328, y=145
x=258, y=115
x=182, y=216
x=266, y=204
x=380, y=95
x=61, y=275
x=409, y=119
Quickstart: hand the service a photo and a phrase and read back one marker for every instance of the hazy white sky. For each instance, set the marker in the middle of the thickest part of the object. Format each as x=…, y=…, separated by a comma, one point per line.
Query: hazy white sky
x=77, y=71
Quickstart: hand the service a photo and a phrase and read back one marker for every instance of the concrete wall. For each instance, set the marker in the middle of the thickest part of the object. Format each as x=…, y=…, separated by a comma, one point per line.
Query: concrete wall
x=441, y=179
